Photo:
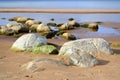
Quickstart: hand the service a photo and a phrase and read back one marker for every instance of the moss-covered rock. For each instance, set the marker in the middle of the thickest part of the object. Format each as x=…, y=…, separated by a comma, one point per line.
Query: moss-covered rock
x=58, y=25
x=17, y=35
x=49, y=34
x=52, y=19
x=22, y=19
x=3, y=18
x=33, y=28
x=43, y=28
x=60, y=32
x=10, y=19
x=71, y=19
x=73, y=23
x=29, y=23
x=68, y=36
x=66, y=26
x=84, y=25
x=9, y=32
x=46, y=49
x=93, y=26
x=52, y=24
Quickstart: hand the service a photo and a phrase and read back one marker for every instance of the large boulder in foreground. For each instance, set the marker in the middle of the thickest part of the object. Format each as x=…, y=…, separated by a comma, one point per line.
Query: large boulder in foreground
x=28, y=42
x=79, y=52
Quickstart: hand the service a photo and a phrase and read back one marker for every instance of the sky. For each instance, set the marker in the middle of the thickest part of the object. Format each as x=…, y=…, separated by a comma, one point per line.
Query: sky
x=59, y=0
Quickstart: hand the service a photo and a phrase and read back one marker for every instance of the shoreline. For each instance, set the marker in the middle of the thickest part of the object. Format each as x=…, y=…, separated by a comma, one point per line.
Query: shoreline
x=77, y=11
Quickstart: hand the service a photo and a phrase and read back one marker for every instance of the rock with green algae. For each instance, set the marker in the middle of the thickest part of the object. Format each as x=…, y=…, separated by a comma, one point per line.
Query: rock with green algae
x=43, y=28
x=68, y=36
x=93, y=25
x=46, y=49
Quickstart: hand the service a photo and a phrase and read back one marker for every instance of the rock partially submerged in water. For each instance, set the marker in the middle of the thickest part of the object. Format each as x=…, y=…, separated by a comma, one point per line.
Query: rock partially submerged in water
x=43, y=28
x=28, y=42
x=68, y=36
x=93, y=25
x=74, y=23
x=33, y=28
x=64, y=26
x=22, y=19
x=79, y=52
x=32, y=22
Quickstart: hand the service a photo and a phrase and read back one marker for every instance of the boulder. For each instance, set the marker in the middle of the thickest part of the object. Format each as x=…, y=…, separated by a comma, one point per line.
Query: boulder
x=90, y=45
x=93, y=25
x=64, y=26
x=15, y=18
x=28, y=42
x=3, y=29
x=22, y=19
x=52, y=24
x=49, y=34
x=42, y=64
x=43, y=28
x=18, y=27
x=73, y=23
x=31, y=22
x=79, y=58
x=46, y=49
x=33, y=28
x=68, y=36
x=83, y=49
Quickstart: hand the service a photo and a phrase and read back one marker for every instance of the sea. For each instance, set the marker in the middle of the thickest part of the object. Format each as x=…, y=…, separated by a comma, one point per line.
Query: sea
x=62, y=4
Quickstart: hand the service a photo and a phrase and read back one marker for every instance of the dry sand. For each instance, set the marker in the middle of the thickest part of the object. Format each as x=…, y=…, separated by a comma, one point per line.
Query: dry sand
x=58, y=11
x=11, y=62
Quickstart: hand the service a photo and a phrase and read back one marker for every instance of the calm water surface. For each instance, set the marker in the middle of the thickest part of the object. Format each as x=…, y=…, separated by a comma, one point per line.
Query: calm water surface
x=61, y=18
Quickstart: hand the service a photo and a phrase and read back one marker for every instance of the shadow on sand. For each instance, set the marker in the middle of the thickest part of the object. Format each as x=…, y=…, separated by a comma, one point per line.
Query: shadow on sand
x=102, y=62
x=116, y=51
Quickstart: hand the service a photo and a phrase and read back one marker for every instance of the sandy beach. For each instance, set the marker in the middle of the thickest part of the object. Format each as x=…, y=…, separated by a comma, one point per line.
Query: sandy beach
x=11, y=62
x=77, y=11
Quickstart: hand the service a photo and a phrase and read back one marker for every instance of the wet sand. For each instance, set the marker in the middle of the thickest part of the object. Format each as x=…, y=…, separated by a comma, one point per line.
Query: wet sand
x=11, y=62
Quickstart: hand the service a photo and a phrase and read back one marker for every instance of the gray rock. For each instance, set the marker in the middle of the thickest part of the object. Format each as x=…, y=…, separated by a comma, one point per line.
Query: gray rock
x=82, y=58
x=28, y=42
x=79, y=51
x=18, y=27
x=89, y=45
x=42, y=64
